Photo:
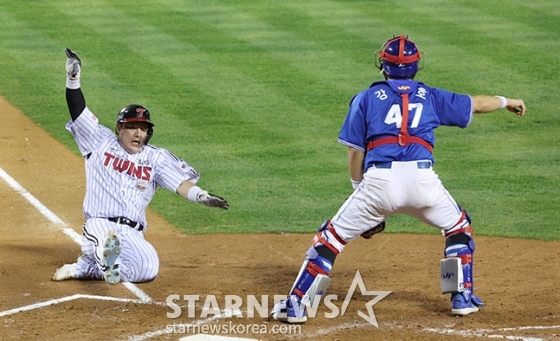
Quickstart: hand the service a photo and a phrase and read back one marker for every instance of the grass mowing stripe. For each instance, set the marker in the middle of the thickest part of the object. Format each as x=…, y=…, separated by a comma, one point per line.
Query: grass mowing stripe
x=485, y=27
x=262, y=54
x=230, y=81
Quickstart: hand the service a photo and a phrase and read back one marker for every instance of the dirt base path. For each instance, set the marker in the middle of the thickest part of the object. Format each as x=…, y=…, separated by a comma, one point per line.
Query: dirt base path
x=517, y=279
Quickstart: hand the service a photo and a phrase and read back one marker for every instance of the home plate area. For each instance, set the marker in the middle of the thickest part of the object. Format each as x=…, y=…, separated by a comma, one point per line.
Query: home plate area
x=41, y=229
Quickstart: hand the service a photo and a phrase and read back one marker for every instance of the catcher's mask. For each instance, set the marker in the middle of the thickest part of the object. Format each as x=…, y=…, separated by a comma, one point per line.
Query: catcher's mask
x=399, y=57
x=136, y=113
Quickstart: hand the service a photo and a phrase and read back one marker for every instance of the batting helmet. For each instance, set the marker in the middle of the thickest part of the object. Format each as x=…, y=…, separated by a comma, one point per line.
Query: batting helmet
x=136, y=113
x=399, y=57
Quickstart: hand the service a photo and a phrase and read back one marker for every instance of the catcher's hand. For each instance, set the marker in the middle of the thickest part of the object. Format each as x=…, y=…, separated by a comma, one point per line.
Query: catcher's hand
x=377, y=229
x=73, y=65
x=211, y=200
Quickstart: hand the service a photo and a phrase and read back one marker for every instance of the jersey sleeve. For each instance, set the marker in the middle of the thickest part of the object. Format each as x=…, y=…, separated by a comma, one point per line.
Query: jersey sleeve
x=453, y=109
x=87, y=131
x=353, y=132
x=172, y=171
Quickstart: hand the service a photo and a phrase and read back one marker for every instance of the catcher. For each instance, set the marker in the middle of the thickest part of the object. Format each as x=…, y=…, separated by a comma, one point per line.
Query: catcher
x=389, y=131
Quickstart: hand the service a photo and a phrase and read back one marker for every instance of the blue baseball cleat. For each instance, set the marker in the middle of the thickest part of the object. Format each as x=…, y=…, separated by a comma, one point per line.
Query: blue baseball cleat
x=462, y=306
x=285, y=312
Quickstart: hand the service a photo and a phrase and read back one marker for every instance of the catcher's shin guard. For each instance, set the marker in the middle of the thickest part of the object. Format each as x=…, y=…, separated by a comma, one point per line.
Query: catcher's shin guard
x=457, y=274
x=312, y=280
x=314, y=272
x=310, y=285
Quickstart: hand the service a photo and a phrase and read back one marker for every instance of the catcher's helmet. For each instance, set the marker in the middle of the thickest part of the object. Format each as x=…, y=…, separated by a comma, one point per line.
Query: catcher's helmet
x=136, y=113
x=399, y=57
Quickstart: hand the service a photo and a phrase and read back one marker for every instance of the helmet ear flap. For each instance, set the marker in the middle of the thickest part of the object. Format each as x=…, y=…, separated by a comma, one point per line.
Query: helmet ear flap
x=149, y=135
x=378, y=61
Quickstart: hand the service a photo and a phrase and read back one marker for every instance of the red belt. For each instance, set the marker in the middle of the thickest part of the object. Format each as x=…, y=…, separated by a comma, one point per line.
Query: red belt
x=401, y=140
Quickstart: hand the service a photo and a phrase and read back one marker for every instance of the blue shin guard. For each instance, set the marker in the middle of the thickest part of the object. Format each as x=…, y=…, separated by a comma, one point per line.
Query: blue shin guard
x=311, y=282
x=313, y=266
x=457, y=275
x=310, y=285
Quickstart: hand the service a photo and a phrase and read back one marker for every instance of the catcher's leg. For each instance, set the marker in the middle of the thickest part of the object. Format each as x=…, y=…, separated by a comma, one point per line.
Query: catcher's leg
x=457, y=269
x=312, y=280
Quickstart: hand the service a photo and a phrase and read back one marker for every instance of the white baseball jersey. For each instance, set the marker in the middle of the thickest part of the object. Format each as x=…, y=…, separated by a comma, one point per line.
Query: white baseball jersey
x=119, y=184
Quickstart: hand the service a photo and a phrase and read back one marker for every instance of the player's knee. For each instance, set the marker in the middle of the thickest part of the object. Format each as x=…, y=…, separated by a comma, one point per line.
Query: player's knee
x=460, y=238
x=326, y=253
x=328, y=238
x=462, y=226
x=138, y=273
x=151, y=272
x=322, y=259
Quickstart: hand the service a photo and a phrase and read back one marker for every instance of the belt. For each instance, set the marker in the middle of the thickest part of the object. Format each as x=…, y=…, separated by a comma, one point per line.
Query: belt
x=400, y=140
x=420, y=164
x=126, y=221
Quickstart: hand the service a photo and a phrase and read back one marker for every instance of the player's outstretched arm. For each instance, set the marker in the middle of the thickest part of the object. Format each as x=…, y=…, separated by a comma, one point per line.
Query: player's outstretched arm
x=74, y=96
x=193, y=193
x=485, y=104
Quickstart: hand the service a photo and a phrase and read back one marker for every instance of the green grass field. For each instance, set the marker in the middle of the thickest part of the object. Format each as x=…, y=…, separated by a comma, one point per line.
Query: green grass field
x=253, y=94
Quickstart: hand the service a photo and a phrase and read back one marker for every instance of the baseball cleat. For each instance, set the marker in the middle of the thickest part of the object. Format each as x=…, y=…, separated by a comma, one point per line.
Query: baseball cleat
x=67, y=271
x=459, y=306
x=284, y=312
x=111, y=260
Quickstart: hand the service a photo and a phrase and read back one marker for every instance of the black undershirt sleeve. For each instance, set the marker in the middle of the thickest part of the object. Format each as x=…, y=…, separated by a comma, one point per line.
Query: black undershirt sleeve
x=76, y=102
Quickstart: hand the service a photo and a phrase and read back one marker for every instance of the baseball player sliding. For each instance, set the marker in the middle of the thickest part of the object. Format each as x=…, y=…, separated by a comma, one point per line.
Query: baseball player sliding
x=389, y=131
x=122, y=175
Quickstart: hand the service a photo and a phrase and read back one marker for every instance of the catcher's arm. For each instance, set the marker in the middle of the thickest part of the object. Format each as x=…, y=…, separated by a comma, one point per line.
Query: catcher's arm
x=356, y=166
x=485, y=104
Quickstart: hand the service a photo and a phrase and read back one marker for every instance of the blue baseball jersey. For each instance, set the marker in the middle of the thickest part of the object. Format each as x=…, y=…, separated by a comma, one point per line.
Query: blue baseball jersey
x=376, y=113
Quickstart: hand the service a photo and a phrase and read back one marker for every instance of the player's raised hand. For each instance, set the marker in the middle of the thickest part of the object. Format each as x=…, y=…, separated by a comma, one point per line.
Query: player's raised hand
x=211, y=200
x=73, y=64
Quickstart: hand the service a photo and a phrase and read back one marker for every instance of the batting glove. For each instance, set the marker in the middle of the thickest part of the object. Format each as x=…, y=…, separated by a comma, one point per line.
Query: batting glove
x=211, y=200
x=73, y=65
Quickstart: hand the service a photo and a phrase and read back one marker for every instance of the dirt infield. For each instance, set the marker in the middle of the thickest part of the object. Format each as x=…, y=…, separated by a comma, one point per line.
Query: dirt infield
x=517, y=279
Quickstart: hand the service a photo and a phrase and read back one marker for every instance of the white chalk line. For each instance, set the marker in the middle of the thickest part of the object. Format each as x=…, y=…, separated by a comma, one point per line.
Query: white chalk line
x=326, y=331
x=61, y=225
x=143, y=298
x=469, y=333
x=493, y=333
x=71, y=298
x=148, y=335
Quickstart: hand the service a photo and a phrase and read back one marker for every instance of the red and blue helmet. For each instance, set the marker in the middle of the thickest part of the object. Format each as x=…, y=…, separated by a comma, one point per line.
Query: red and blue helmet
x=399, y=57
